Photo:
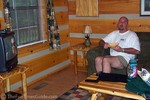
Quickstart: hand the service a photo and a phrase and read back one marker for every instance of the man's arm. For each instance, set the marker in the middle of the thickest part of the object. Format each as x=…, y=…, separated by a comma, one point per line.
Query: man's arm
x=103, y=43
x=130, y=50
x=119, y=49
x=126, y=50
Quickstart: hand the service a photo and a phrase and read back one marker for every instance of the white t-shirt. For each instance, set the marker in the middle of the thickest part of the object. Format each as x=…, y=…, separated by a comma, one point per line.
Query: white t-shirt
x=127, y=39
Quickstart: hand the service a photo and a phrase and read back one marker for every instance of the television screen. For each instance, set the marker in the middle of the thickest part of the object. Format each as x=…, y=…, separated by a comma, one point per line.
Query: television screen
x=8, y=52
x=10, y=47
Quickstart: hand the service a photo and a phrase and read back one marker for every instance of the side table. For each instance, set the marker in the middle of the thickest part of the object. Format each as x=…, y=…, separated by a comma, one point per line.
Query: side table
x=19, y=69
x=81, y=47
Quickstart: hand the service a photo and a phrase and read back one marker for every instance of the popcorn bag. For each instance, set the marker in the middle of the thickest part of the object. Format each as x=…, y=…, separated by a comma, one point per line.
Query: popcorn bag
x=145, y=75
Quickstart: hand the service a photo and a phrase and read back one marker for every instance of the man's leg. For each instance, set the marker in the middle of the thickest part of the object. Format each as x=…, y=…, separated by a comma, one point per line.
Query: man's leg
x=105, y=63
x=91, y=55
x=98, y=63
x=111, y=61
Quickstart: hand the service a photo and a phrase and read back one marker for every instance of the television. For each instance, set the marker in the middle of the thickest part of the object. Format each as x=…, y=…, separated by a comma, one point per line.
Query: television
x=8, y=52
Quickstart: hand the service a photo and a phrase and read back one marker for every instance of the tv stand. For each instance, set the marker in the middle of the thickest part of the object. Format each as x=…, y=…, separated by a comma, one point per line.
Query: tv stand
x=19, y=69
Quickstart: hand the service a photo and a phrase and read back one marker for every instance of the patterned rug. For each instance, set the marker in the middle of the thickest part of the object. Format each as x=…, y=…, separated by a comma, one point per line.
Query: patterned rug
x=75, y=94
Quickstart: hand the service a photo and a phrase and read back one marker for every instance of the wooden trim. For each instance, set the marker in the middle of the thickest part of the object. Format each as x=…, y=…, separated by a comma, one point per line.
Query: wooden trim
x=43, y=19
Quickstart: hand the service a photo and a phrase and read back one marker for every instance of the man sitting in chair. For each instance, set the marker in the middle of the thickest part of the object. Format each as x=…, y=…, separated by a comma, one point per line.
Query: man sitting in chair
x=124, y=45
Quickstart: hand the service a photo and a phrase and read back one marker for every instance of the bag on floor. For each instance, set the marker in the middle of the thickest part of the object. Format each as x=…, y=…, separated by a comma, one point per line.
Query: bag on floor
x=138, y=86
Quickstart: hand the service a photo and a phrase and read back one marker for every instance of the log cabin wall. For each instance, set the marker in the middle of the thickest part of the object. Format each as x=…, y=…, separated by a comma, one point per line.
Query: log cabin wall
x=40, y=59
x=109, y=13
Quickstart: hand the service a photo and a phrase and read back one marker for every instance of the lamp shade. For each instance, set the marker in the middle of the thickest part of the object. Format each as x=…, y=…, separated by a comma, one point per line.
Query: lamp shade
x=88, y=29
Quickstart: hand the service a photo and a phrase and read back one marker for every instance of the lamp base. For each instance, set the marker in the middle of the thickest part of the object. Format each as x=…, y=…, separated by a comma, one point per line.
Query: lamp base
x=87, y=42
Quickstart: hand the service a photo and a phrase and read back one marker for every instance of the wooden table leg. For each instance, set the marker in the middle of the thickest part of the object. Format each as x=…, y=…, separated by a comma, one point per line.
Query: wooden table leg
x=75, y=62
x=8, y=84
x=84, y=60
x=24, y=85
x=94, y=96
x=2, y=92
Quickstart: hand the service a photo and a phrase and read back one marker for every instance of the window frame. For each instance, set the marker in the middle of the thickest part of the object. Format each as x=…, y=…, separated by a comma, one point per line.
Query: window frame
x=33, y=48
x=16, y=9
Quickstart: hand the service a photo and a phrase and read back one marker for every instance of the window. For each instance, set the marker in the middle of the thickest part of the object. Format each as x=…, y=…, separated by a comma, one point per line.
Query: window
x=25, y=20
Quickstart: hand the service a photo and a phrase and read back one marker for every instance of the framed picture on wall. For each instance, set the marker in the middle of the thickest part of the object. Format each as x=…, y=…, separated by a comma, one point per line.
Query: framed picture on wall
x=145, y=7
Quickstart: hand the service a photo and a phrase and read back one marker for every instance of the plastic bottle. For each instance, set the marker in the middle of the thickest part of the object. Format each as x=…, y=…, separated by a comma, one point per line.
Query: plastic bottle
x=132, y=69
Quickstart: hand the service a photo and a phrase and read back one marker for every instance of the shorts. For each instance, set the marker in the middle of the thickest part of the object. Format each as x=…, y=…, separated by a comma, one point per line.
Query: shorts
x=123, y=61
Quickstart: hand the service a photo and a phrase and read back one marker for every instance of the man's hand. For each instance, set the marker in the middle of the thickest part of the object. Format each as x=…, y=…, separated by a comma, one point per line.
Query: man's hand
x=106, y=45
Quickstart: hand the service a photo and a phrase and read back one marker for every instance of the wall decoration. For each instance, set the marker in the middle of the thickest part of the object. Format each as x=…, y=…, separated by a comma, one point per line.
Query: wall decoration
x=7, y=17
x=145, y=7
x=53, y=29
x=87, y=7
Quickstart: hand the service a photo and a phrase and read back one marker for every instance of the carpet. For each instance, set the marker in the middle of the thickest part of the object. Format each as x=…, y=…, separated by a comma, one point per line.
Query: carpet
x=75, y=94
x=81, y=94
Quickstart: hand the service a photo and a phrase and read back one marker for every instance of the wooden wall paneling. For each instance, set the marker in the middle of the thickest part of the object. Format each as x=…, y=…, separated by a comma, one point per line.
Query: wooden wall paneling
x=119, y=6
x=64, y=36
x=87, y=7
x=139, y=25
x=62, y=18
x=61, y=56
x=60, y=2
x=44, y=62
x=112, y=7
x=71, y=7
x=98, y=26
x=24, y=51
x=106, y=26
x=1, y=5
x=47, y=61
x=63, y=40
x=2, y=22
x=74, y=41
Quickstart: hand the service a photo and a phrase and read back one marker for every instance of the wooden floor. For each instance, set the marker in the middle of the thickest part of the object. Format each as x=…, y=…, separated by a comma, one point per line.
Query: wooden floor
x=55, y=85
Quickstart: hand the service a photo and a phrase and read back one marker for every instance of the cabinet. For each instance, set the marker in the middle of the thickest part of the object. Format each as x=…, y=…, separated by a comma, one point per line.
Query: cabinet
x=53, y=30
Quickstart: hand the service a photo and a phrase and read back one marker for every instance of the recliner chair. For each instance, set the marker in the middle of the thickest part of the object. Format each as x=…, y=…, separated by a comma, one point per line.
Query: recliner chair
x=100, y=51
